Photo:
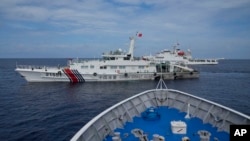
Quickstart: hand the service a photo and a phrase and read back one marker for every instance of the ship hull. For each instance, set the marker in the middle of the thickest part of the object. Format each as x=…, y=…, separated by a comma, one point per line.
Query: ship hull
x=61, y=75
x=35, y=76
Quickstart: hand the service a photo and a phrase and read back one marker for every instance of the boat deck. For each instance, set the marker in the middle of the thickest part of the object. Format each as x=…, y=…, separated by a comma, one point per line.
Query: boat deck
x=162, y=127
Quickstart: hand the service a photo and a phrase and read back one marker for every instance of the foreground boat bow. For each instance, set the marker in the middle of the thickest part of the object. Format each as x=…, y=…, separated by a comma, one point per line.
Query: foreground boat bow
x=179, y=116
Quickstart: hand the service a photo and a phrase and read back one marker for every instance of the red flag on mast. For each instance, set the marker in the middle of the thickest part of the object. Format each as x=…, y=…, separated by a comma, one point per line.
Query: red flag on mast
x=139, y=34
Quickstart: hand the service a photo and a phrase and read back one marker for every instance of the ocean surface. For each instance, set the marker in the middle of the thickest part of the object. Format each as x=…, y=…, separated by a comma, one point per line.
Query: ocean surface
x=56, y=111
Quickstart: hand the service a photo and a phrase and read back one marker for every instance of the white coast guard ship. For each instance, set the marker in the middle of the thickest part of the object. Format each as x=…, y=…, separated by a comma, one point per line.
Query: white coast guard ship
x=114, y=66
x=177, y=55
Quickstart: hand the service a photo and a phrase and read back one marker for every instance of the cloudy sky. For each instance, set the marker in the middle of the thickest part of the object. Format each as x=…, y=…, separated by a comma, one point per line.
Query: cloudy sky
x=87, y=28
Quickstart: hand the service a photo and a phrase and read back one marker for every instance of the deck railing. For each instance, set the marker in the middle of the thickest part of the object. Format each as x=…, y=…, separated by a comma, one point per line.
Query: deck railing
x=116, y=116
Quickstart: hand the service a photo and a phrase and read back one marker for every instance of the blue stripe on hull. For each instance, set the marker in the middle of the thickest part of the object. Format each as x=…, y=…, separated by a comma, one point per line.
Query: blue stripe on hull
x=78, y=75
x=73, y=75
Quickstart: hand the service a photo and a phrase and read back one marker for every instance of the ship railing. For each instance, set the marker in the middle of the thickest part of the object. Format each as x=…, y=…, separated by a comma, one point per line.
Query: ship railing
x=77, y=60
x=36, y=67
x=72, y=61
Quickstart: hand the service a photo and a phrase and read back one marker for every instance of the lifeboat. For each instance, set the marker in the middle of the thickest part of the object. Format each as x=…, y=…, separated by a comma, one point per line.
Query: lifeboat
x=181, y=53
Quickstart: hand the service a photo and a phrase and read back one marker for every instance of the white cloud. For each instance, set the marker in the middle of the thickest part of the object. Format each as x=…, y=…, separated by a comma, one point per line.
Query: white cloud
x=161, y=21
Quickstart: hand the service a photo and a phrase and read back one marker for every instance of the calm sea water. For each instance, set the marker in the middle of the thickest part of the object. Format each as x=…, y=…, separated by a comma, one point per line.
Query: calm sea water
x=56, y=111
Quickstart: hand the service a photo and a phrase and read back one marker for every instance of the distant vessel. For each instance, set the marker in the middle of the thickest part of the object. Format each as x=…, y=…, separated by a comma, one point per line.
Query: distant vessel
x=162, y=115
x=114, y=66
x=177, y=55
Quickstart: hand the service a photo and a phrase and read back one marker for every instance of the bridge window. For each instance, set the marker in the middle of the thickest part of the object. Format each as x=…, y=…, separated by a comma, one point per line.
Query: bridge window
x=122, y=67
x=84, y=67
x=141, y=67
x=113, y=67
x=103, y=67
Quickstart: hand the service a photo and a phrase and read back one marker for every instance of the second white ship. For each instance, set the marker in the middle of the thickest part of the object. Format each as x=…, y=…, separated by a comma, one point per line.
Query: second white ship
x=177, y=55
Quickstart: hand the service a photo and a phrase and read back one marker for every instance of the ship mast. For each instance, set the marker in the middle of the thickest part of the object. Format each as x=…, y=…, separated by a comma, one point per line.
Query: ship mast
x=131, y=48
x=132, y=45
